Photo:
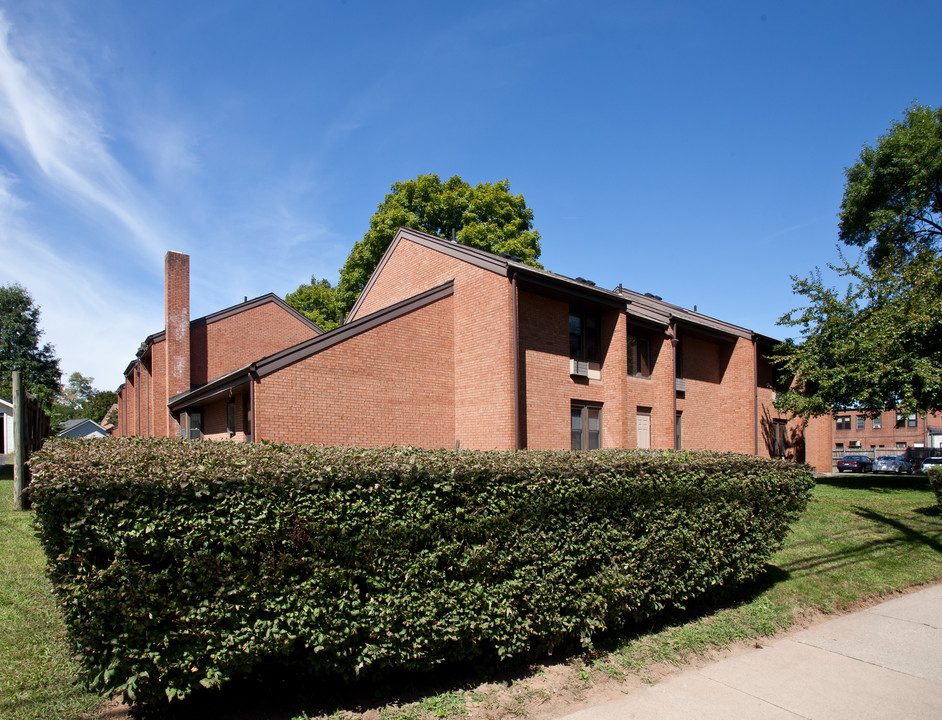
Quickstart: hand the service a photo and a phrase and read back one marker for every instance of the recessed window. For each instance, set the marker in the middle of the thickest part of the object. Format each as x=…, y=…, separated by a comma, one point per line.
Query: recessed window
x=586, y=426
x=585, y=336
x=231, y=416
x=193, y=425
x=843, y=422
x=838, y=446
x=861, y=422
x=678, y=431
x=639, y=355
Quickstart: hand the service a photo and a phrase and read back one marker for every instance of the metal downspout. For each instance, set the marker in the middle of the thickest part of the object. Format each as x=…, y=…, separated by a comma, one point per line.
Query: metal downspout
x=755, y=391
x=516, y=342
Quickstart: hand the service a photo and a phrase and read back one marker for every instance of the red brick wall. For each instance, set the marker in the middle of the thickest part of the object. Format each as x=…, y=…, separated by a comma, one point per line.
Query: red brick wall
x=484, y=397
x=719, y=401
x=393, y=385
x=215, y=419
x=177, y=346
x=655, y=393
x=548, y=388
x=238, y=340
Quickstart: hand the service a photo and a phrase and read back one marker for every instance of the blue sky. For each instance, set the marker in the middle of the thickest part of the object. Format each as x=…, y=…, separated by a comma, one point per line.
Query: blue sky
x=690, y=149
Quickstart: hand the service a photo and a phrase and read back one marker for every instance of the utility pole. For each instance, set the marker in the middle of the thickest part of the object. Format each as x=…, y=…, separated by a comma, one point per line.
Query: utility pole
x=19, y=441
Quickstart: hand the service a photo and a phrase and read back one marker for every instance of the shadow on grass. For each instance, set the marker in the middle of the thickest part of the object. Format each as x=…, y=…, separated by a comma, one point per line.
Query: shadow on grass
x=277, y=696
x=877, y=483
x=910, y=535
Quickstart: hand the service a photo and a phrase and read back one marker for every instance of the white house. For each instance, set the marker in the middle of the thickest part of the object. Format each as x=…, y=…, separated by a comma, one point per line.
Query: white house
x=6, y=428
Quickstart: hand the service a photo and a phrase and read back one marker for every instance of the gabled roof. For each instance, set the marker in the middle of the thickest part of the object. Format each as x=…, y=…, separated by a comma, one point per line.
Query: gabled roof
x=86, y=424
x=307, y=348
x=222, y=315
x=646, y=308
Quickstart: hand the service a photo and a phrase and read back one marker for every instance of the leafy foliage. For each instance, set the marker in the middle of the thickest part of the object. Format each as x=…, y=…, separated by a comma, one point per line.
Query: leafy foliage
x=180, y=564
x=20, y=349
x=318, y=301
x=878, y=345
x=893, y=198
x=935, y=479
x=486, y=216
x=78, y=399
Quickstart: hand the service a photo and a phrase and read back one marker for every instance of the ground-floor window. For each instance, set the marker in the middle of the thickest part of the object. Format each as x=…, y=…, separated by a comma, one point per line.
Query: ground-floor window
x=679, y=431
x=192, y=425
x=586, y=426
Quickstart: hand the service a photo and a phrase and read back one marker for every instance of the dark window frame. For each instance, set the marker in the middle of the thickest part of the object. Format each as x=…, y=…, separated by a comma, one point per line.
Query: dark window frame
x=639, y=355
x=585, y=341
x=585, y=440
x=843, y=422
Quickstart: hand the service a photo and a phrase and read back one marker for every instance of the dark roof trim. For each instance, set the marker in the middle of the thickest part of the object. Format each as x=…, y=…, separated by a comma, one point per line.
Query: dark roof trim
x=479, y=258
x=303, y=350
x=571, y=288
x=227, y=313
x=711, y=332
x=221, y=385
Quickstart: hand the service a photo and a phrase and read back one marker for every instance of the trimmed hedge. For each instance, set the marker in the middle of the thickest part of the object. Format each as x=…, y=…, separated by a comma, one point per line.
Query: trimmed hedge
x=180, y=564
x=935, y=480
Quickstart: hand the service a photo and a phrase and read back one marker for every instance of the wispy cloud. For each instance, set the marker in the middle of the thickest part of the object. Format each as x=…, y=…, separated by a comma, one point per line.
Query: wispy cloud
x=64, y=144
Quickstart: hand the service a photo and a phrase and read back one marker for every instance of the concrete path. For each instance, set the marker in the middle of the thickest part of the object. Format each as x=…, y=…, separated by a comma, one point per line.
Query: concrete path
x=883, y=662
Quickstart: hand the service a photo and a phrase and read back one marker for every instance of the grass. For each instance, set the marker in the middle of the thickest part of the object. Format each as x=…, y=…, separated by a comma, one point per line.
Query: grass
x=37, y=674
x=862, y=537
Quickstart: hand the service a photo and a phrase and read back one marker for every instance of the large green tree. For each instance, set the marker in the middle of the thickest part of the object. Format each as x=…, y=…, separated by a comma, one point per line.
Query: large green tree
x=878, y=344
x=486, y=216
x=20, y=348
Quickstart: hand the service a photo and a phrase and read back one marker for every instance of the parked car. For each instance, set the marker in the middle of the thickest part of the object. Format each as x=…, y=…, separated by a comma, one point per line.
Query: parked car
x=855, y=463
x=892, y=464
x=931, y=462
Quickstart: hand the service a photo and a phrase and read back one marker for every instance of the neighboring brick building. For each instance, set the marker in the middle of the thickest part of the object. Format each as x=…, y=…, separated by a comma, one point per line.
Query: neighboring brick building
x=853, y=432
x=450, y=346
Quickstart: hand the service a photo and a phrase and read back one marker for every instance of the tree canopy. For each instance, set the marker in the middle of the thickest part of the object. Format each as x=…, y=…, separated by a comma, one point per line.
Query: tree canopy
x=892, y=202
x=20, y=348
x=486, y=216
x=878, y=345
x=78, y=399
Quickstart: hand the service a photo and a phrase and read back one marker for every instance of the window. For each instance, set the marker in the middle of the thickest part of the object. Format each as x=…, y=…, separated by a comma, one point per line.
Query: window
x=586, y=427
x=877, y=423
x=231, y=416
x=855, y=444
x=911, y=420
x=900, y=446
x=585, y=336
x=843, y=422
x=838, y=446
x=778, y=429
x=678, y=431
x=861, y=422
x=192, y=426
x=639, y=355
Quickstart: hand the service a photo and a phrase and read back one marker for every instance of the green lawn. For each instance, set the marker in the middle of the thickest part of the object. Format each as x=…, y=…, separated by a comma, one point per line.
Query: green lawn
x=37, y=675
x=862, y=537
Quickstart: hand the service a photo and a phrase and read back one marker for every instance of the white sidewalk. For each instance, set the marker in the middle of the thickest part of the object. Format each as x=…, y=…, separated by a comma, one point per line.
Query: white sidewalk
x=883, y=662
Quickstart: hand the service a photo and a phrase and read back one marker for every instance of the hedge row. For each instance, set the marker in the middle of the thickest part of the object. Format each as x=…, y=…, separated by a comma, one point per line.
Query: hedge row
x=181, y=564
x=935, y=480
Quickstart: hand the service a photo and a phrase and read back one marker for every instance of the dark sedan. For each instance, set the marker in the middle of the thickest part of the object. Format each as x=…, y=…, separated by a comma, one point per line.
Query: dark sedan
x=855, y=463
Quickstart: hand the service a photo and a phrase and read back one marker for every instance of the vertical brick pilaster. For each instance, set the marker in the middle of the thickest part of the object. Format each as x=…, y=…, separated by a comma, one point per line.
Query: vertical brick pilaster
x=177, y=346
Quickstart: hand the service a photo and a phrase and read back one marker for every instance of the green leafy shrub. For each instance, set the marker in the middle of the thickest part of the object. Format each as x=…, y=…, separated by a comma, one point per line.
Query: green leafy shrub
x=181, y=564
x=935, y=479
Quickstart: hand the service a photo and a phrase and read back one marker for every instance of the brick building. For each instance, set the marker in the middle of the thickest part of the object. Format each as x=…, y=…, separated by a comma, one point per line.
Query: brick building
x=189, y=353
x=450, y=346
x=889, y=433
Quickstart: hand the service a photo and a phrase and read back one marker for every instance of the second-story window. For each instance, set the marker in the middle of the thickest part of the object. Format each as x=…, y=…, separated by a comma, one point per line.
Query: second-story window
x=843, y=422
x=585, y=336
x=639, y=355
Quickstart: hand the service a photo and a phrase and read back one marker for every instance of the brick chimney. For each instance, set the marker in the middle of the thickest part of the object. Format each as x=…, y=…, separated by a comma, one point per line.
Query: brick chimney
x=177, y=345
